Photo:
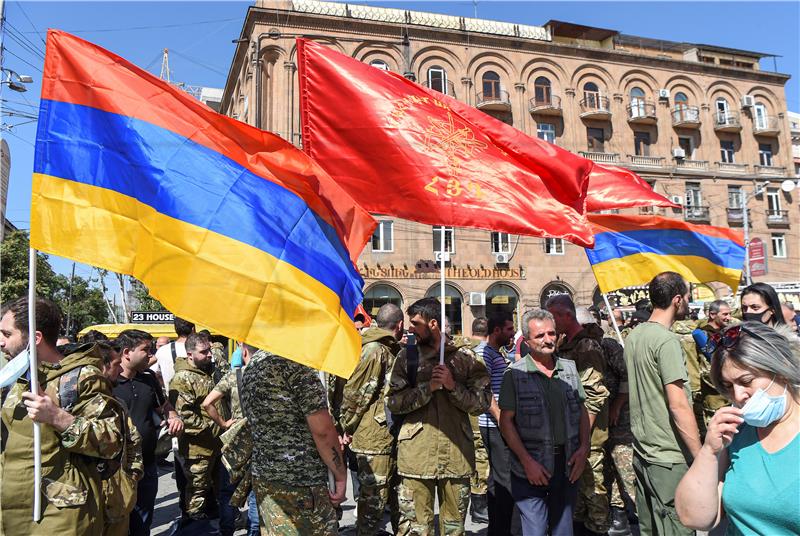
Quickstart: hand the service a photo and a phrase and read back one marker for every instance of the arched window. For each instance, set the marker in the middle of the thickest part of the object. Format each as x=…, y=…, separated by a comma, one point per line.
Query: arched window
x=437, y=79
x=452, y=305
x=637, y=102
x=380, y=64
x=491, y=85
x=681, y=99
x=380, y=294
x=760, y=115
x=542, y=91
x=591, y=94
x=722, y=111
x=502, y=298
x=682, y=111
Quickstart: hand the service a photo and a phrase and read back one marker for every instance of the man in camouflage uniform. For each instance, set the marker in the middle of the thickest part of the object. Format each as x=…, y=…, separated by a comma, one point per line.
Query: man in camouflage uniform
x=294, y=445
x=77, y=440
x=708, y=398
x=435, y=446
x=363, y=417
x=593, y=508
x=199, y=445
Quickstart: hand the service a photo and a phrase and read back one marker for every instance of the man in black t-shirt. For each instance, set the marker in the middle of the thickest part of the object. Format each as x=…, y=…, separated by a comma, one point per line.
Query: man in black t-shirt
x=140, y=390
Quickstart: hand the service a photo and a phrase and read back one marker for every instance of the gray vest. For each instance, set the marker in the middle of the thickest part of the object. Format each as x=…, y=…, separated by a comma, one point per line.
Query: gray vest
x=532, y=417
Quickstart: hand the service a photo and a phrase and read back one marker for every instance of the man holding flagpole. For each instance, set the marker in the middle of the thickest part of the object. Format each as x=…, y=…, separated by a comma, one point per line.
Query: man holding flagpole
x=80, y=432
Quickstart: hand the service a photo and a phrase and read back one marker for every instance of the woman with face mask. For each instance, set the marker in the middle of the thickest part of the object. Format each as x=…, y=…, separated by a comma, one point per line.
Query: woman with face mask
x=760, y=303
x=748, y=469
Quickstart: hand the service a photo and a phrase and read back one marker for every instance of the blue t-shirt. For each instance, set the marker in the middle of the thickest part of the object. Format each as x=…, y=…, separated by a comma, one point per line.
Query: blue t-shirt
x=496, y=364
x=761, y=493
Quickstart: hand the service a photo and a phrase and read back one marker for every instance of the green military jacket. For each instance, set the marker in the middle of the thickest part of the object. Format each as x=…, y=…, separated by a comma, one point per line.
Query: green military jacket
x=588, y=355
x=363, y=413
x=71, y=484
x=187, y=390
x=436, y=439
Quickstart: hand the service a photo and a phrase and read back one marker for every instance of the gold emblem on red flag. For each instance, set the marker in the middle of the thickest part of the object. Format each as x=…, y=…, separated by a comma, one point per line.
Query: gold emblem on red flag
x=454, y=139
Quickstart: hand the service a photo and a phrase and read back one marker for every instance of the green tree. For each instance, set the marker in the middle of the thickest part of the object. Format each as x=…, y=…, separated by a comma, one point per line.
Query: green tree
x=86, y=307
x=141, y=300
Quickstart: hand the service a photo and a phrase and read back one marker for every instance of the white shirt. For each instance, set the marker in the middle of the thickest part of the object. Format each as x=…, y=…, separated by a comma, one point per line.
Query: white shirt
x=164, y=362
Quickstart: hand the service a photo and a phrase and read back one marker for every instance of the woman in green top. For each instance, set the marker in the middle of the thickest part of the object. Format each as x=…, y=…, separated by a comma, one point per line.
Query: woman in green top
x=748, y=466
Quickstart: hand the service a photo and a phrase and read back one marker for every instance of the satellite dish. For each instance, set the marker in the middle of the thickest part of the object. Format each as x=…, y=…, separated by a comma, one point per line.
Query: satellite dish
x=788, y=185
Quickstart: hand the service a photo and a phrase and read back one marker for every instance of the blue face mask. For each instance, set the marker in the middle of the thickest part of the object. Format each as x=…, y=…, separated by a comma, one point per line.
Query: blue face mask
x=15, y=368
x=762, y=409
x=236, y=357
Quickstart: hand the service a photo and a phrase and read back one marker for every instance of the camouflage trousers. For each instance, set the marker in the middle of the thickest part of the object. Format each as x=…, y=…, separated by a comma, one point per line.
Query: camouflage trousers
x=201, y=484
x=416, y=496
x=295, y=510
x=619, y=476
x=592, y=506
x=377, y=477
x=479, y=483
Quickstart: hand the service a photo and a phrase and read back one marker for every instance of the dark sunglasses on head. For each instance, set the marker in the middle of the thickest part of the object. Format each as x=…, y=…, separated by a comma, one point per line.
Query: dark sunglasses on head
x=728, y=338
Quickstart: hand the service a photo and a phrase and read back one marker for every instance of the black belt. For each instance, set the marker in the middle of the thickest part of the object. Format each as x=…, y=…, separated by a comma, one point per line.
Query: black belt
x=558, y=449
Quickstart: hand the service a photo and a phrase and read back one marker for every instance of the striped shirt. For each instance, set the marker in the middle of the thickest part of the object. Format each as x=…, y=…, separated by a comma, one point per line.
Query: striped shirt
x=496, y=364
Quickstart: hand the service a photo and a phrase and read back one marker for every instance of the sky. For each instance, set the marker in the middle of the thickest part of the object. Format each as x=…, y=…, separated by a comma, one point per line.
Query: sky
x=198, y=35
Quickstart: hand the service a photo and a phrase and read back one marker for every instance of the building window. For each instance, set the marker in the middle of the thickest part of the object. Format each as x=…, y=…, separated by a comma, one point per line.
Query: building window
x=685, y=143
x=595, y=140
x=760, y=115
x=765, y=154
x=379, y=295
x=501, y=243
x=383, y=238
x=542, y=92
x=546, y=132
x=491, y=85
x=735, y=199
x=681, y=100
x=502, y=298
x=641, y=143
x=437, y=79
x=380, y=64
x=773, y=201
x=554, y=246
x=449, y=244
x=694, y=195
x=592, y=95
x=779, y=246
x=722, y=111
x=637, y=102
x=726, y=151
x=452, y=305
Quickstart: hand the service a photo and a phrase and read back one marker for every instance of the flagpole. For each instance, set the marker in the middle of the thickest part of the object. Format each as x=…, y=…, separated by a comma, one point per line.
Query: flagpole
x=613, y=320
x=34, y=372
x=442, y=295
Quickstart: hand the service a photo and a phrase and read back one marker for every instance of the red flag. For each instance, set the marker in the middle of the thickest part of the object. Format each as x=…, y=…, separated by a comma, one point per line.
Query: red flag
x=404, y=150
x=613, y=187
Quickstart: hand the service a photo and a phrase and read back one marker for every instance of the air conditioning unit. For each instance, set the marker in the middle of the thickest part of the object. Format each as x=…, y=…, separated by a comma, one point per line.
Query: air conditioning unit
x=477, y=298
x=747, y=101
x=678, y=152
x=502, y=258
x=663, y=93
x=677, y=199
x=440, y=256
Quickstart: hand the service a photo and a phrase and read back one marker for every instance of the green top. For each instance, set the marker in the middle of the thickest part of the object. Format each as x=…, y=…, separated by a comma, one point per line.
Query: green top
x=553, y=393
x=654, y=358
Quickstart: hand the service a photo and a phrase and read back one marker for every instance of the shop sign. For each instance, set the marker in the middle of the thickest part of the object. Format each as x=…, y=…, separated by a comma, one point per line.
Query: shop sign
x=499, y=300
x=624, y=297
x=758, y=258
x=553, y=289
x=152, y=317
x=429, y=269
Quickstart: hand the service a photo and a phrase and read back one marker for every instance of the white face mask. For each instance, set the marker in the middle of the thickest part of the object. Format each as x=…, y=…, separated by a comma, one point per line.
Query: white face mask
x=15, y=368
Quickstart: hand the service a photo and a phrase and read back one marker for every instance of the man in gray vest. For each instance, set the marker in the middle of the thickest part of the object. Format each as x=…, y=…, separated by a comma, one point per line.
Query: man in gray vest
x=546, y=426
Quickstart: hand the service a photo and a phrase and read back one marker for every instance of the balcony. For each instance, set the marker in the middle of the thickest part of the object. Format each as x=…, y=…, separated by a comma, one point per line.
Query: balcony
x=602, y=158
x=686, y=117
x=730, y=167
x=642, y=112
x=736, y=216
x=646, y=161
x=697, y=214
x=727, y=122
x=692, y=165
x=545, y=105
x=442, y=86
x=777, y=218
x=593, y=106
x=770, y=171
x=647, y=211
x=767, y=126
x=493, y=101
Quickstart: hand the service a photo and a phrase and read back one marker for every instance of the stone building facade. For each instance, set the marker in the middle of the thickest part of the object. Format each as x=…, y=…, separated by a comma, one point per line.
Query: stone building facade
x=703, y=124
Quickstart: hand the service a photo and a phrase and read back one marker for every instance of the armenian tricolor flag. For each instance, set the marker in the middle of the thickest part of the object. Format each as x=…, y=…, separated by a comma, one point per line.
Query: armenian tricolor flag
x=631, y=250
x=227, y=225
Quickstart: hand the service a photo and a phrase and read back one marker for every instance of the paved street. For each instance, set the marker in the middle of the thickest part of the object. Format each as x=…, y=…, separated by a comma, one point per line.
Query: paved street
x=167, y=510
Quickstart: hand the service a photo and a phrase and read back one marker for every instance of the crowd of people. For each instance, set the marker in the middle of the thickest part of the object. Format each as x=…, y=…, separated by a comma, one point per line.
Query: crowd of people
x=567, y=426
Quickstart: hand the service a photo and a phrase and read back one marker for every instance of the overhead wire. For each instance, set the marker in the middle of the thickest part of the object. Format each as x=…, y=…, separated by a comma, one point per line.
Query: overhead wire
x=19, y=37
x=23, y=60
x=136, y=28
x=19, y=5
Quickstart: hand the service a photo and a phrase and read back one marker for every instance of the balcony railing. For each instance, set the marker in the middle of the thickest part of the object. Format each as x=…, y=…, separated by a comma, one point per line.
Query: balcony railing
x=447, y=87
x=727, y=122
x=778, y=218
x=696, y=214
x=641, y=111
x=545, y=105
x=730, y=167
x=603, y=158
x=595, y=106
x=736, y=216
x=770, y=171
x=696, y=165
x=686, y=116
x=646, y=161
x=767, y=126
x=493, y=100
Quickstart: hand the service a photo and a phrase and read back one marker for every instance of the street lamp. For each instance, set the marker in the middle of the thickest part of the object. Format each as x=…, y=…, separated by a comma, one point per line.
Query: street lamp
x=15, y=81
x=787, y=186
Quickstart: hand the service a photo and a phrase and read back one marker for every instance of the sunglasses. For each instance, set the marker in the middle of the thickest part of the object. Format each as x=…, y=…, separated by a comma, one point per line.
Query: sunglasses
x=728, y=338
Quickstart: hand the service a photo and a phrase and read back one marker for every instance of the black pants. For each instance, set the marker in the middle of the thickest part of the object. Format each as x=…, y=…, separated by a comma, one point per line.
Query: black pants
x=503, y=515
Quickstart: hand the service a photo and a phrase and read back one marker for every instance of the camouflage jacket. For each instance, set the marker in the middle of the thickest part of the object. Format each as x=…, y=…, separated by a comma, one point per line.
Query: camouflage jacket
x=228, y=386
x=436, y=438
x=187, y=390
x=71, y=482
x=221, y=364
x=615, y=378
x=363, y=413
x=237, y=451
x=119, y=491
